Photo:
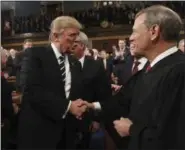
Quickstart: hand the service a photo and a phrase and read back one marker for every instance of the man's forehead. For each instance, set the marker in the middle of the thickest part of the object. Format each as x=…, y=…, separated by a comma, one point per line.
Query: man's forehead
x=121, y=41
x=139, y=20
x=72, y=30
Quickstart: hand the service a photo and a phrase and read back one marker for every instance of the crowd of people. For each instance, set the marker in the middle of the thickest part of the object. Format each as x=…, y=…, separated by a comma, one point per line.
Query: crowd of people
x=136, y=94
x=123, y=14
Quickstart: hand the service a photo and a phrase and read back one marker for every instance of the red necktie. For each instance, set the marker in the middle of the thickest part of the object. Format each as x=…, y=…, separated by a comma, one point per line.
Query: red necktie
x=148, y=68
x=135, y=68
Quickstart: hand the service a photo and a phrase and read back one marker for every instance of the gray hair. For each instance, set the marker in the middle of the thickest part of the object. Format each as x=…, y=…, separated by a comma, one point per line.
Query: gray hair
x=181, y=41
x=168, y=20
x=82, y=37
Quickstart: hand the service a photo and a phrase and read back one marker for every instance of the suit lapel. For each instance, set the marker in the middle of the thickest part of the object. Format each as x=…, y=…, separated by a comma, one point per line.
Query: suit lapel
x=53, y=62
x=73, y=73
x=85, y=65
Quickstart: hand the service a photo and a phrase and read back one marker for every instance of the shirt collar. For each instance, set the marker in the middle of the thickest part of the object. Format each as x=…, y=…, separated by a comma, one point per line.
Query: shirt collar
x=56, y=51
x=82, y=60
x=164, y=55
x=142, y=60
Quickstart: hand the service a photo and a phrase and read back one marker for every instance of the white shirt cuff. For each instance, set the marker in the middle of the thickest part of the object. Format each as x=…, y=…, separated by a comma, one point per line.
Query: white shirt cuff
x=97, y=106
x=64, y=115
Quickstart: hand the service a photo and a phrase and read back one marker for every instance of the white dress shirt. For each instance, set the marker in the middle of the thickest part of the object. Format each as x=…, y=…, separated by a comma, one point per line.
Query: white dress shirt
x=67, y=86
x=82, y=59
x=105, y=63
x=161, y=56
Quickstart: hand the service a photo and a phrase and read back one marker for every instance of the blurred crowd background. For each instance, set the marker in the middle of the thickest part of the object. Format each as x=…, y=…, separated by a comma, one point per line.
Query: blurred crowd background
x=116, y=13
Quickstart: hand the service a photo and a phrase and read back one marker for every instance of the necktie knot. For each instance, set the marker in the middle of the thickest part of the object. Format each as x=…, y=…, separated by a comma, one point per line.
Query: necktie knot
x=62, y=67
x=148, y=68
x=136, y=63
x=135, y=67
x=62, y=57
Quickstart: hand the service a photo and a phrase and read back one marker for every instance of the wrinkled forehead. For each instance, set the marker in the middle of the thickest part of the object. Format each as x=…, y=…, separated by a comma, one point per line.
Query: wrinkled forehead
x=72, y=31
x=139, y=21
x=182, y=42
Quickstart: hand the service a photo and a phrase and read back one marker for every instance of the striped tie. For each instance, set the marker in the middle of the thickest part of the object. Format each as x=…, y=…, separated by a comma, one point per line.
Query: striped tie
x=62, y=68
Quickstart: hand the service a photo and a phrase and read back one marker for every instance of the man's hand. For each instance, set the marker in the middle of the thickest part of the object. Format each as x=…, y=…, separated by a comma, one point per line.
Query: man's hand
x=122, y=126
x=89, y=105
x=77, y=108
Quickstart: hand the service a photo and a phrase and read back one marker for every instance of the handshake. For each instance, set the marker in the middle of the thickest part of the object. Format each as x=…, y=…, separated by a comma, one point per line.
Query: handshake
x=79, y=107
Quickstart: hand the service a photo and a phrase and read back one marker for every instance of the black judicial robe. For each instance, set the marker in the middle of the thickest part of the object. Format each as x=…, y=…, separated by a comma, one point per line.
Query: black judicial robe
x=156, y=106
x=154, y=101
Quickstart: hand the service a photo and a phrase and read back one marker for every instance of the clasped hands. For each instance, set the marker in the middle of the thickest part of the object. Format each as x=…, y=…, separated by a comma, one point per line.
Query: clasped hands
x=79, y=107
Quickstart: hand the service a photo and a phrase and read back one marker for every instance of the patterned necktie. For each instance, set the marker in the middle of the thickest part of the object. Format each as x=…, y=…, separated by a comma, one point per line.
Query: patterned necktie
x=135, y=68
x=62, y=67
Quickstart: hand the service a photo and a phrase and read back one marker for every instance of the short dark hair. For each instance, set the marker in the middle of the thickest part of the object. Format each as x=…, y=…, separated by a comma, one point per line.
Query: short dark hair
x=91, y=52
x=27, y=40
x=168, y=20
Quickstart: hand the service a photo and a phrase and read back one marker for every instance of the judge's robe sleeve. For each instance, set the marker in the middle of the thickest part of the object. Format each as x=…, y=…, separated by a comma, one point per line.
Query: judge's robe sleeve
x=165, y=119
x=41, y=99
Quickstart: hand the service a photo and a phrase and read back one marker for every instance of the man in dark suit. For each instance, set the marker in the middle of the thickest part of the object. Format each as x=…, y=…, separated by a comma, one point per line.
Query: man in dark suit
x=51, y=80
x=18, y=62
x=152, y=100
x=107, y=62
x=125, y=70
x=95, y=82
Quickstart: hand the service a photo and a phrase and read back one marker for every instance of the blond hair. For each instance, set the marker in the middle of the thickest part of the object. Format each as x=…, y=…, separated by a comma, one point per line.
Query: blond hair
x=63, y=22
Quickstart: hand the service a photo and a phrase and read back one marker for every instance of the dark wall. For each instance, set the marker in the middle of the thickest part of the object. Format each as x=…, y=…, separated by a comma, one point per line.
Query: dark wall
x=26, y=8
x=70, y=6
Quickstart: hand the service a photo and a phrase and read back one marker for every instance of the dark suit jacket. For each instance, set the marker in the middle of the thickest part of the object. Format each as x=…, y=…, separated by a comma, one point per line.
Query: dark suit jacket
x=18, y=63
x=96, y=84
x=96, y=88
x=124, y=70
x=44, y=102
x=7, y=112
x=6, y=100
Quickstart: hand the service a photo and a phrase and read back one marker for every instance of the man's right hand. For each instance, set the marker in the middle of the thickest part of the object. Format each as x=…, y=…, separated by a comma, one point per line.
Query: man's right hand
x=77, y=108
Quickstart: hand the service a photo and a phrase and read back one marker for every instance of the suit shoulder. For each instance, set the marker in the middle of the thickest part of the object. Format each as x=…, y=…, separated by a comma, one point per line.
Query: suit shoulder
x=89, y=58
x=36, y=50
